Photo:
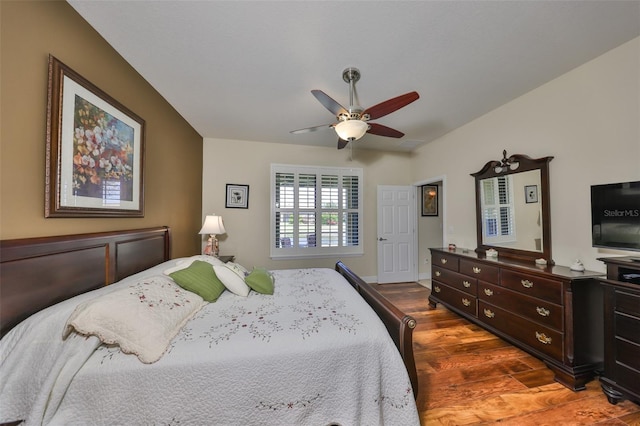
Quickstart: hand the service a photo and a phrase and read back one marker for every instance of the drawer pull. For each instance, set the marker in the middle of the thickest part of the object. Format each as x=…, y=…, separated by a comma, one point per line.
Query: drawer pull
x=489, y=313
x=438, y=273
x=542, y=311
x=476, y=270
x=466, y=302
x=542, y=338
x=526, y=283
x=444, y=261
x=488, y=292
x=467, y=284
x=436, y=289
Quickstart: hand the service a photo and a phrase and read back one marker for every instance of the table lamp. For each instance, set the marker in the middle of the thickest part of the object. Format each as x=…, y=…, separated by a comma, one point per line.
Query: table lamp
x=213, y=226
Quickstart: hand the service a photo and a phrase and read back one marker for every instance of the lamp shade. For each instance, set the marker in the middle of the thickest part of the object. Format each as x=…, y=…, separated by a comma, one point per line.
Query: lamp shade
x=351, y=130
x=213, y=225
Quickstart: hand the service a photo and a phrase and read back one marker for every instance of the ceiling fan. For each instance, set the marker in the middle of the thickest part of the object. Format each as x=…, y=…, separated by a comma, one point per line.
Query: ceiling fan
x=353, y=122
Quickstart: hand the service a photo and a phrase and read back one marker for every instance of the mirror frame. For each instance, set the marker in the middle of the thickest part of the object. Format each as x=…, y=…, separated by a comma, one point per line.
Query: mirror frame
x=517, y=163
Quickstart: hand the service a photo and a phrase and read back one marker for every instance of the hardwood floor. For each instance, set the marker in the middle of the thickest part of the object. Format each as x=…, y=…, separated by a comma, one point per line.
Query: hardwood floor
x=468, y=376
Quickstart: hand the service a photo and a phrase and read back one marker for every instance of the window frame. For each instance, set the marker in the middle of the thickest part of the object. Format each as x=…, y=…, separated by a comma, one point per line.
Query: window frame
x=296, y=250
x=496, y=205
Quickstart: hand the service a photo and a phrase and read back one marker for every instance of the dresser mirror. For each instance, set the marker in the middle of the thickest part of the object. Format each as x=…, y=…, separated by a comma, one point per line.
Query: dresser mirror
x=512, y=208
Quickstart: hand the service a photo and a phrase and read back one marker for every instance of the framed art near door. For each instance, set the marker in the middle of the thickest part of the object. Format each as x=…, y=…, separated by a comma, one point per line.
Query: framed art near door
x=429, y=200
x=94, y=150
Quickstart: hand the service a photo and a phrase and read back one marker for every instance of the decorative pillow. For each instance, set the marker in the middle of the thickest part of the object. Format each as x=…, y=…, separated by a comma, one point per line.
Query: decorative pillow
x=200, y=279
x=232, y=280
x=209, y=259
x=238, y=269
x=260, y=280
x=185, y=263
x=142, y=318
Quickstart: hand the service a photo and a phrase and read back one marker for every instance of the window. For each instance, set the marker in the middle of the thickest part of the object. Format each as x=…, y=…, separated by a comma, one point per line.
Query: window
x=498, y=210
x=315, y=211
x=111, y=193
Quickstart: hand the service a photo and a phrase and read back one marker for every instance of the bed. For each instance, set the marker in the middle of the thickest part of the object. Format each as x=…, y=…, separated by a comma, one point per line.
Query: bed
x=324, y=348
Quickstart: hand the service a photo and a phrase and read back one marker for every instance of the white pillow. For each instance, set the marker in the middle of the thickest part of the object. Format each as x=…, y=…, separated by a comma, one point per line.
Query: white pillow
x=232, y=280
x=238, y=269
x=185, y=263
x=145, y=329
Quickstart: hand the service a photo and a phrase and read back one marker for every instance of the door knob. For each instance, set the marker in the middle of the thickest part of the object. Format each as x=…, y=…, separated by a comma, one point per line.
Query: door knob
x=382, y=239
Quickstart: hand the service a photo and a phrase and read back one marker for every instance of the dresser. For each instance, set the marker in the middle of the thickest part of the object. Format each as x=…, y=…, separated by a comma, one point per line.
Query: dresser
x=549, y=311
x=621, y=376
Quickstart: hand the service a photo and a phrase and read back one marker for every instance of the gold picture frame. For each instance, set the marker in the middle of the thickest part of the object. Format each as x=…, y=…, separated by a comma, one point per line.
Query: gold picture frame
x=94, y=153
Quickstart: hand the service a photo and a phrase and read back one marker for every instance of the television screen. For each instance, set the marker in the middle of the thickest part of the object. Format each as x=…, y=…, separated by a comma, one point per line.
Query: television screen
x=615, y=215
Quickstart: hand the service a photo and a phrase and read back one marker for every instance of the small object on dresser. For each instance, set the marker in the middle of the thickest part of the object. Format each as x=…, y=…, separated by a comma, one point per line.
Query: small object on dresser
x=541, y=261
x=577, y=266
x=492, y=253
x=452, y=246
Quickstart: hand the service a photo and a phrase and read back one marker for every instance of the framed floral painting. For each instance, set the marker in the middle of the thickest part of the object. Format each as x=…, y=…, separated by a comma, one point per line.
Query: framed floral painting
x=95, y=150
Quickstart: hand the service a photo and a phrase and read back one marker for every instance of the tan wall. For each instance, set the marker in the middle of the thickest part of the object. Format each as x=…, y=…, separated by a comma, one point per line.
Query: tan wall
x=30, y=31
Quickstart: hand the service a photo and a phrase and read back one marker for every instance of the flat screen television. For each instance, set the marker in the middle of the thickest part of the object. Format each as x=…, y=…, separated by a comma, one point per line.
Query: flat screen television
x=615, y=215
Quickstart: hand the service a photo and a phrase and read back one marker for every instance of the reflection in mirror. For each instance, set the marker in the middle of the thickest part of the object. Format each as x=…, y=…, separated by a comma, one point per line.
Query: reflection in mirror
x=512, y=207
x=511, y=215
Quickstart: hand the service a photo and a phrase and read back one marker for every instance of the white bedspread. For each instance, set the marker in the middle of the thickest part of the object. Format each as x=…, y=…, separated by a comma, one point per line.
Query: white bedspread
x=313, y=353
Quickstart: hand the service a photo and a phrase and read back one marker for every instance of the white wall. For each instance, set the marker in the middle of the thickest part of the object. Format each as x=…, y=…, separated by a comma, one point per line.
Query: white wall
x=587, y=119
x=248, y=163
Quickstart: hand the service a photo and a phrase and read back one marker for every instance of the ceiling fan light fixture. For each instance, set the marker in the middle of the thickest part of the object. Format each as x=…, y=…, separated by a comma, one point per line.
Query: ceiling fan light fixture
x=351, y=130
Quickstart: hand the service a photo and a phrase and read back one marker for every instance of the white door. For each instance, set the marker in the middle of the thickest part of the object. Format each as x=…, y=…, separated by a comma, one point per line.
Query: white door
x=396, y=233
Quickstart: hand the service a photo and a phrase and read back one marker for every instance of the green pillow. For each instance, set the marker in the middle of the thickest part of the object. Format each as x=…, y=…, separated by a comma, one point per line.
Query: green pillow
x=260, y=280
x=199, y=278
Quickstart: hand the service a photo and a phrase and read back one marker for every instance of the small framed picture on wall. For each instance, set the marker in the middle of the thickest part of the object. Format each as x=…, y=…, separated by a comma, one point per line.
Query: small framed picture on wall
x=237, y=196
x=531, y=193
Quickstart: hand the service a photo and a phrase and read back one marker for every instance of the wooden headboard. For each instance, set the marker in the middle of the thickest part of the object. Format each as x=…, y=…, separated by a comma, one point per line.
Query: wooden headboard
x=38, y=272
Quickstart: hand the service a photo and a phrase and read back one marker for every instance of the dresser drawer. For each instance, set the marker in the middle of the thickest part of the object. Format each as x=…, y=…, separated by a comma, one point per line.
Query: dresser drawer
x=627, y=327
x=456, y=280
x=541, y=288
x=628, y=354
x=444, y=260
x=457, y=299
x=543, y=339
x=480, y=270
x=627, y=303
x=627, y=377
x=538, y=310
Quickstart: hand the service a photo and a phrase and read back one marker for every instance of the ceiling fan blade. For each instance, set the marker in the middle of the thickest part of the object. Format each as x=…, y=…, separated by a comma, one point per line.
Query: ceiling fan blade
x=380, y=130
x=312, y=129
x=390, y=105
x=329, y=103
x=342, y=143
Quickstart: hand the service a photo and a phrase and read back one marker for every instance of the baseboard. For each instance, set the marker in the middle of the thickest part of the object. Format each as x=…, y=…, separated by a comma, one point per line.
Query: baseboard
x=423, y=279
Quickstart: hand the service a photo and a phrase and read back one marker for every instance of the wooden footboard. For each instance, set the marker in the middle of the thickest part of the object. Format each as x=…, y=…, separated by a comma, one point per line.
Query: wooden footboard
x=399, y=325
x=38, y=272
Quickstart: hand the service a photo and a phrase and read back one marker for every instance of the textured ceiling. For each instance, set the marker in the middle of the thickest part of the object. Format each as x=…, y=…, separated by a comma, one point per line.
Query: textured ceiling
x=244, y=69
